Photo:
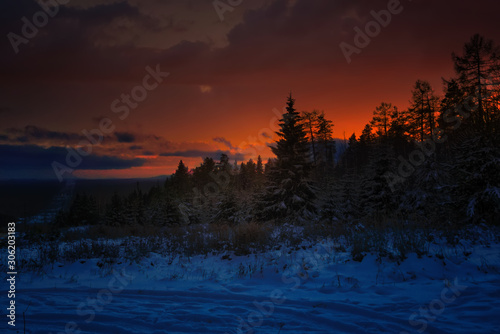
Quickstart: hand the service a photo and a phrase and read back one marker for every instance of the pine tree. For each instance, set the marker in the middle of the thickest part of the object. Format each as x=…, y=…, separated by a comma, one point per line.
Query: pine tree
x=421, y=114
x=476, y=179
x=382, y=118
x=289, y=193
x=367, y=136
x=84, y=210
x=310, y=123
x=267, y=167
x=376, y=198
x=114, y=211
x=134, y=207
x=478, y=71
x=397, y=133
x=259, y=173
x=325, y=138
x=181, y=180
x=341, y=206
x=349, y=160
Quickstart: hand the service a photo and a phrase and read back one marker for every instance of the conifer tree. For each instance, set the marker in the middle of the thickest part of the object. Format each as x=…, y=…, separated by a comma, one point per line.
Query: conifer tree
x=421, y=114
x=325, y=137
x=289, y=193
x=382, y=118
x=310, y=122
x=259, y=173
x=478, y=70
x=181, y=180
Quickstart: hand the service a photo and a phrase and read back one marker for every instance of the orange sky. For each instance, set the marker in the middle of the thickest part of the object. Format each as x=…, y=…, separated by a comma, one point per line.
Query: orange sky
x=225, y=76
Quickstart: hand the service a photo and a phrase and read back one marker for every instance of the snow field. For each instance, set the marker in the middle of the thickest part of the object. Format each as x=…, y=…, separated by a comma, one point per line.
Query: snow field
x=313, y=288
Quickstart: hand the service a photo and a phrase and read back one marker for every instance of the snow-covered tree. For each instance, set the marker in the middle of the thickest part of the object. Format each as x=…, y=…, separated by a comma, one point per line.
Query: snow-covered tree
x=289, y=193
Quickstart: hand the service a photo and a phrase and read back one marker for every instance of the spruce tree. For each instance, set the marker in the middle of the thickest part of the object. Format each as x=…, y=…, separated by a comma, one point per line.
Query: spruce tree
x=325, y=138
x=310, y=122
x=478, y=70
x=289, y=193
x=382, y=118
x=181, y=180
x=421, y=115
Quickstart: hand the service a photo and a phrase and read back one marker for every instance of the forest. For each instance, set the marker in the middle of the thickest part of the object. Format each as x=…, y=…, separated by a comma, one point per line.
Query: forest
x=365, y=240
x=432, y=167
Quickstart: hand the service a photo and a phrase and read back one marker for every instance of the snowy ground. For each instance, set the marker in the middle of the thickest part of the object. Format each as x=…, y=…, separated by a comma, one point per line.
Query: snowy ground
x=314, y=289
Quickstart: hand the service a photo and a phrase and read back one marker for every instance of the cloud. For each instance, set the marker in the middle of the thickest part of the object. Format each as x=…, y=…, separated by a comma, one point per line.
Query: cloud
x=125, y=137
x=99, y=42
x=135, y=147
x=23, y=160
x=36, y=135
x=35, y=132
x=205, y=88
x=224, y=141
x=202, y=154
x=266, y=135
x=21, y=139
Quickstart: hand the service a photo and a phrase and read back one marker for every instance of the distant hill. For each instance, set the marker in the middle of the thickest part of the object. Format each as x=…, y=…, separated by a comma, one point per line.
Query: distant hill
x=25, y=198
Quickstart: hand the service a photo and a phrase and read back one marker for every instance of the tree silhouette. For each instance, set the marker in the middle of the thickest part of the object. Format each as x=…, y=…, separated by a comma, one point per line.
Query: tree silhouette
x=478, y=71
x=289, y=193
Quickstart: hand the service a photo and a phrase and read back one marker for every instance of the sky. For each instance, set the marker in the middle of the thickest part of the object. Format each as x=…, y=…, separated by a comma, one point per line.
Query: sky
x=127, y=88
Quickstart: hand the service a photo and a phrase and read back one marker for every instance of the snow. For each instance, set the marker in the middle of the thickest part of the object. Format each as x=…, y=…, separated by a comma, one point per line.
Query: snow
x=314, y=288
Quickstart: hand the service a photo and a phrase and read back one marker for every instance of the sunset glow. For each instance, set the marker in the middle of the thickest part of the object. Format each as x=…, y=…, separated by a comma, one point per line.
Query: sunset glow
x=193, y=85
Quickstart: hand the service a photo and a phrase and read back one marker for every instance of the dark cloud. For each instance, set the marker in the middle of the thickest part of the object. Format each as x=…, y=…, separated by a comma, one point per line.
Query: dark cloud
x=266, y=135
x=26, y=158
x=280, y=36
x=125, y=137
x=203, y=154
x=40, y=133
x=135, y=147
x=224, y=141
x=34, y=134
x=148, y=153
x=77, y=43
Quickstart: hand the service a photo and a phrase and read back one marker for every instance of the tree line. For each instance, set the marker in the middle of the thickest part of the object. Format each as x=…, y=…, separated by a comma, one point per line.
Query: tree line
x=436, y=163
